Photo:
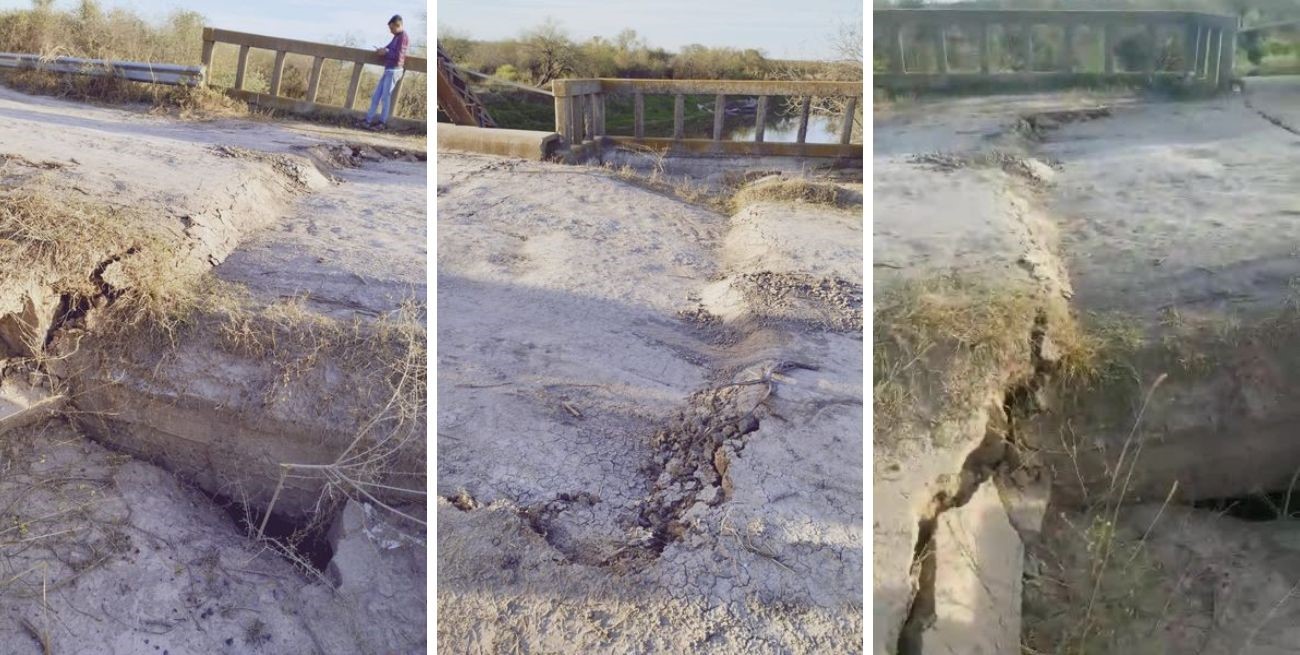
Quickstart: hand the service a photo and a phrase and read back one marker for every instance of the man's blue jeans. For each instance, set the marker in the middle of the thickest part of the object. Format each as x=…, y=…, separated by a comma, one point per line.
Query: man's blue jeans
x=383, y=93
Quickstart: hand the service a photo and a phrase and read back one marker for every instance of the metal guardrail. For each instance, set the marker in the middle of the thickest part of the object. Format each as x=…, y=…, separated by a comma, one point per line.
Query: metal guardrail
x=1208, y=40
x=129, y=70
x=1290, y=25
x=320, y=53
x=580, y=114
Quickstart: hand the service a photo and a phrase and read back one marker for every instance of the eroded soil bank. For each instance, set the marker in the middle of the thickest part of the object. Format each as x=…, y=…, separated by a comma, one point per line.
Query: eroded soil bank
x=196, y=311
x=649, y=417
x=1090, y=311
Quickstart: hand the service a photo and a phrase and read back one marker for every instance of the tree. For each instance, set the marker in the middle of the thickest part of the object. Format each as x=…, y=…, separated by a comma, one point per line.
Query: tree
x=90, y=12
x=455, y=43
x=550, y=52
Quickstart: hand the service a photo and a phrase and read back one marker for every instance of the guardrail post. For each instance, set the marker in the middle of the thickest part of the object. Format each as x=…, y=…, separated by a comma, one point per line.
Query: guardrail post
x=313, y=82
x=1191, y=48
x=897, y=63
x=277, y=72
x=1067, y=50
x=638, y=115
x=354, y=85
x=941, y=48
x=679, y=116
x=986, y=55
x=1228, y=55
x=1218, y=58
x=577, y=125
x=589, y=115
x=600, y=114
x=1108, y=48
x=563, y=123
x=719, y=115
x=208, y=46
x=1205, y=58
x=846, y=128
x=241, y=67
x=760, y=122
x=1029, y=47
x=1149, y=66
x=805, y=108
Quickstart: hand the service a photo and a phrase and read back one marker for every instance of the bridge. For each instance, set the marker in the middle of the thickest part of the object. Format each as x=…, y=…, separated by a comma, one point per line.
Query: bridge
x=1282, y=26
x=320, y=53
x=275, y=97
x=581, y=110
x=920, y=43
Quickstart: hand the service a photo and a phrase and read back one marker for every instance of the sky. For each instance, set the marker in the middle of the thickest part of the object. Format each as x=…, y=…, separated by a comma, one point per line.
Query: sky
x=311, y=20
x=780, y=28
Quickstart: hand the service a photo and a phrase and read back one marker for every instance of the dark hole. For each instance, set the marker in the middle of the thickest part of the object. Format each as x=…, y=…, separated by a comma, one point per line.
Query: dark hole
x=305, y=542
x=1258, y=507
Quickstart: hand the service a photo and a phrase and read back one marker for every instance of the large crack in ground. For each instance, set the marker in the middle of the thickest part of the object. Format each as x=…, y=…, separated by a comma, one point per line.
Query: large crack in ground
x=693, y=451
x=1281, y=124
x=998, y=453
x=72, y=315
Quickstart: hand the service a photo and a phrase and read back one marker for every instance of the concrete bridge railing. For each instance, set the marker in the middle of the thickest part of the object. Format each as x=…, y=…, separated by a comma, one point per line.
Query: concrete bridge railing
x=580, y=111
x=320, y=53
x=1208, y=46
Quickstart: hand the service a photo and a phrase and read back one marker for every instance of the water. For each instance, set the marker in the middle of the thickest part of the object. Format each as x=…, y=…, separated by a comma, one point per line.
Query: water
x=821, y=129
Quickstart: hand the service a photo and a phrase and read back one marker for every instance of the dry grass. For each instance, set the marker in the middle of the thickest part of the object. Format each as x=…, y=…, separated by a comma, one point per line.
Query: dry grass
x=61, y=238
x=385, y=361
x=735, y=192
x=95, y=254
x=138, y=292
x=89, y=31
x=1098, y=589
x=796, y=190
x=657, y=180
x=1093, y=587
x=941, y=345
x=191, y=103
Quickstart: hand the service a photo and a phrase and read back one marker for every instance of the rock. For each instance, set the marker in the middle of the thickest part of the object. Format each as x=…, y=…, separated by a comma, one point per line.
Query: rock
x=373, y=565
x=22, y=405
x=1025, y=497
x=23, y=332
x=977, y=585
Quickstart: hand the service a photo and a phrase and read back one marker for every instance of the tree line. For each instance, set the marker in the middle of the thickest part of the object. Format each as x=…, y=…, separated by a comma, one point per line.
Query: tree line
x=88, y=30
x=546, y=52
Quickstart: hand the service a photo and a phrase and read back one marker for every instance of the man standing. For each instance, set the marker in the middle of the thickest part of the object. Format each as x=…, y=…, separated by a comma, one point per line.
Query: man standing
x=394, y=59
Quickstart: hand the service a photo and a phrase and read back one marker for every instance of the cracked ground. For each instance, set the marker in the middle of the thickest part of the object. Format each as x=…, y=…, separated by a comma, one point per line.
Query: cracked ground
x=649, y=418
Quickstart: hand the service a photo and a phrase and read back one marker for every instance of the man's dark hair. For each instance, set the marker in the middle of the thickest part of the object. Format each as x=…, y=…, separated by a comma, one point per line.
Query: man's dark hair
x=396, y=19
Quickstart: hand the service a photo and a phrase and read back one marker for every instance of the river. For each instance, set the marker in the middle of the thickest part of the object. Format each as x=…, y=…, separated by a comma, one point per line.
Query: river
x=785, y=129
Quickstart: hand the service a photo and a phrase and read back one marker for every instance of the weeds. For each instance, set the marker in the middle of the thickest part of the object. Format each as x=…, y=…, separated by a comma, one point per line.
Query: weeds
x=385, y=360
x=65, y=239
x=138, y=293
x=659, y=181
x=797, y=190
x=190, y=103
x=942, y=344
x=91, y=32
x=735, y=192
x=1098, y=589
